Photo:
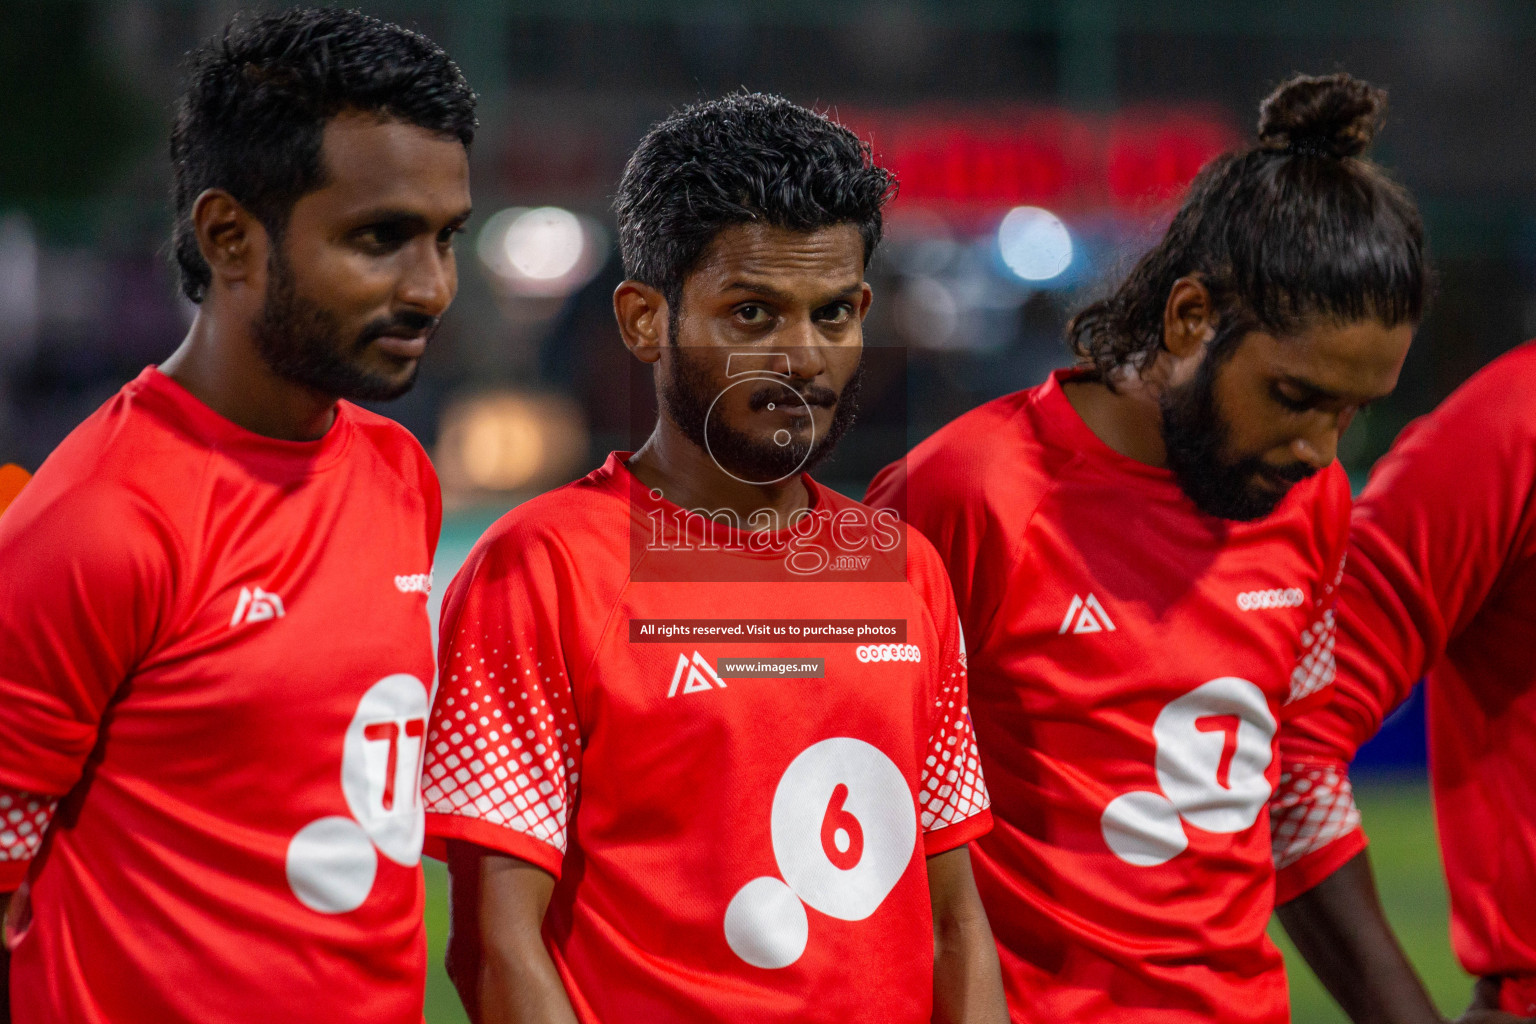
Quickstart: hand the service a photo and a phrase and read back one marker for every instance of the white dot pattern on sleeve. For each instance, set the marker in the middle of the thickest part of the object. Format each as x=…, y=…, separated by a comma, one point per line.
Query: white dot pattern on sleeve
x=503, y=747
x=1315, y=666
x=1313, y=805
x=24, y=817
x=952, y=788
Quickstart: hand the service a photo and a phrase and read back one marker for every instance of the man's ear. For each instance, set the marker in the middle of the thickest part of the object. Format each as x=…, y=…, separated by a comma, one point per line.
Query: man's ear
x=231, y=239
x=641, y=311
x=1189, y=320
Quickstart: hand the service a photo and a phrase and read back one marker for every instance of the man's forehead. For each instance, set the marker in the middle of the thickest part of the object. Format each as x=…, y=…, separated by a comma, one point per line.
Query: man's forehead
x=1358, y=361
x=764, y=253
x=379, y=161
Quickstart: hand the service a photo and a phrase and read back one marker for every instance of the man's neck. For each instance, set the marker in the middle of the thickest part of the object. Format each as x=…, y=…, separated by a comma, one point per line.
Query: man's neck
x=1128, y=419
x=219, y=364
x=688, y=476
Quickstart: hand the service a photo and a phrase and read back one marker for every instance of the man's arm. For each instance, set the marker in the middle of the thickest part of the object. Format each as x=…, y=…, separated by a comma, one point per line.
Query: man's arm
x=496, y=956
x=1339, y=927
x=967, y=984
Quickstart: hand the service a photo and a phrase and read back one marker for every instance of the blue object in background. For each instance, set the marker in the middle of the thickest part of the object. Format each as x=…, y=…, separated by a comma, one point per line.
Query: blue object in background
x=1401, y=746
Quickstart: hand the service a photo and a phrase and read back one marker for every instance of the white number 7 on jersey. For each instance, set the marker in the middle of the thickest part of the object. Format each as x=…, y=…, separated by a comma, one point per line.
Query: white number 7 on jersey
x=1214, y=745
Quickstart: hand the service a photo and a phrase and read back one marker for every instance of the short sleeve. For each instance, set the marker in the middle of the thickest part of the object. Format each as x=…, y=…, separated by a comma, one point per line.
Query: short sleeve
x=24, y=818
x=87, y=582
x=503, y=758
x=1316, y=668
x=432, y=498
x=952, y=794
x=1315, y=826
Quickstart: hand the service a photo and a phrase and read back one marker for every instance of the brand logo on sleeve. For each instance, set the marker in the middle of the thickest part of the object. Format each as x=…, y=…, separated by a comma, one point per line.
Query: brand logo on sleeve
x=1086, y=615
x=257, y=605
x=888, y=652
x=416, y=583
x=694, y=675
x=1259, y=600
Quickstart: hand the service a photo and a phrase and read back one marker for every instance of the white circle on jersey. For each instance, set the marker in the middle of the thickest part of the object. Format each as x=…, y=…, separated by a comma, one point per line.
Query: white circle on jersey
x=1143, y=829
x=765, y=924
x=381, y=766
x=844, y=826
x=331, y=865
x=1213, y=748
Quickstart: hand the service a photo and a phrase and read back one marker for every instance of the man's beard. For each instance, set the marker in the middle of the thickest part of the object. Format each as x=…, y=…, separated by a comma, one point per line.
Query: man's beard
x=688, y=392
x=302, y=342
x=1196, y=437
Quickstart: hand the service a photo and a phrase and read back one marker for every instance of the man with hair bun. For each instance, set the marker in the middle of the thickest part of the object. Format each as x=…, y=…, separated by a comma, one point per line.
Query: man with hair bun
x=1144, y=551
x=213, y=678
x=635, y=829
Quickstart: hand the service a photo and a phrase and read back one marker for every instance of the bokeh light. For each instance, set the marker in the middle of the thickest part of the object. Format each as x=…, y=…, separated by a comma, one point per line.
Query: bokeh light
x=543, y=251
x=1034, y=243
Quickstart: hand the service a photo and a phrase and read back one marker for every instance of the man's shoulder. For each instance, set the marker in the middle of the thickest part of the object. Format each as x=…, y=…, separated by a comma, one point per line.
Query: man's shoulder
x=581, y=519
x=1492, y=414
x=994, y=457
x=391, y=442
x=126, y=463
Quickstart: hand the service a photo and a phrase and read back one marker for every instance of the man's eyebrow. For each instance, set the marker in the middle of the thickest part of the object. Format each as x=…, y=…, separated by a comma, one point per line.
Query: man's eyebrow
x=768, y=291
x=409, y=220
x=1312, y=390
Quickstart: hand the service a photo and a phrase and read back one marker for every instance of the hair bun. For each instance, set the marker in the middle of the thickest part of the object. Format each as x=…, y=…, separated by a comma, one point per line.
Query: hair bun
x=1327, y=115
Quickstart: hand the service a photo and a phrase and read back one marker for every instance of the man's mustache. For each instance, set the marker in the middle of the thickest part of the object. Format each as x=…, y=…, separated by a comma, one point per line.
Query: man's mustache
x=1294, y=473
x=406, y=325
x=812, y=394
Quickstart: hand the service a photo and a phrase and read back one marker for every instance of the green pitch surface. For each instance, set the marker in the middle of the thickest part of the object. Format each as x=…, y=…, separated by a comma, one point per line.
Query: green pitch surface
x=1407, y=865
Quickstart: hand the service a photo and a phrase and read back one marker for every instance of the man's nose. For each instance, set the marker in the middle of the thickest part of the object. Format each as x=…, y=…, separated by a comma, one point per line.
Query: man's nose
x=430, y=282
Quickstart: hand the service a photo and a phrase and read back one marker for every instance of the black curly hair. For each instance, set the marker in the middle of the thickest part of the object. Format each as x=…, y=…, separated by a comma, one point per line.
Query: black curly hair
x=1298, y=226
x=258, y=98
x=743, y=158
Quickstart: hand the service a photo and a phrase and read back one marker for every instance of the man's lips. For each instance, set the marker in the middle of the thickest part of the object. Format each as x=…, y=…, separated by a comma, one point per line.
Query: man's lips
x=1280, y=480
x=402, y=347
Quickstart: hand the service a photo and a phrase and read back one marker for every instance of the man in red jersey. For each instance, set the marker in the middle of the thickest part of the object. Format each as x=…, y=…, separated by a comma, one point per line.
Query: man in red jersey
x=214, y=652
x=676, y=779
x=1441, y=580
x=1144, y=551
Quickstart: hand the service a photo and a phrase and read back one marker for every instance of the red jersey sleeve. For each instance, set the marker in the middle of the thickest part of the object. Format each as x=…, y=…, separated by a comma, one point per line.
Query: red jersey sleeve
x=1316, y=667
x=24, y=817
x=503, y=747
x=1429, y=537
x=956, y=807
x=88, y=581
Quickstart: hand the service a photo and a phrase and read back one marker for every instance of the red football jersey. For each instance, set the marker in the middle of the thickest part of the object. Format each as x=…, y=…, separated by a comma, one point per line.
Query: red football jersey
x=1131, y=659
x=1442, y=578
x=727, y=848
x=214, y=651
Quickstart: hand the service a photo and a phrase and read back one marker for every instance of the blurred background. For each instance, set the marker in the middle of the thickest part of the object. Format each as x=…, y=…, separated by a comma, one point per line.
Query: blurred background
x=1040, y=145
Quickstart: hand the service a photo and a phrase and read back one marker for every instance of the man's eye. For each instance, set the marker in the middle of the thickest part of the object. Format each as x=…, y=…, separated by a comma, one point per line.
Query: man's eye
x=837, y=313
x=752, y=315
x=447, y=235
x=1291, y=402
x=381, y=238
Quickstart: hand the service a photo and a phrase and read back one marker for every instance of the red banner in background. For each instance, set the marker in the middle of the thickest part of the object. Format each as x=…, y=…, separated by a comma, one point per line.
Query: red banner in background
x=958, y=158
